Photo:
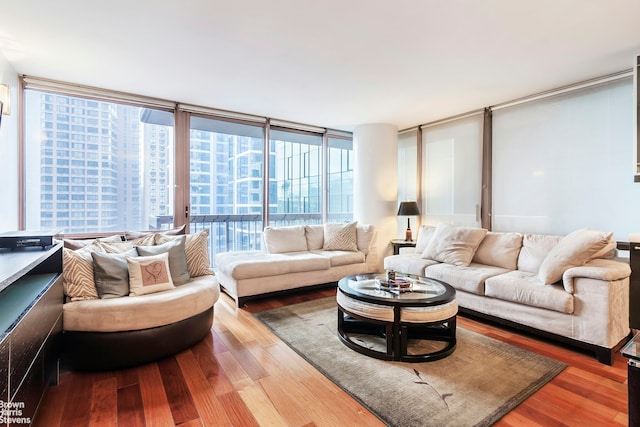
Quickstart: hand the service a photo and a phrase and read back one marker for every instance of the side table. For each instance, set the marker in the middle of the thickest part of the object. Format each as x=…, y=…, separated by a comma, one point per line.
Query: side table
x=401, y=243
x=632, y=351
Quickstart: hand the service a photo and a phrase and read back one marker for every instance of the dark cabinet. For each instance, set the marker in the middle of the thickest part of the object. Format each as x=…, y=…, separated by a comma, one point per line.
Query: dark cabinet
x=31, y=298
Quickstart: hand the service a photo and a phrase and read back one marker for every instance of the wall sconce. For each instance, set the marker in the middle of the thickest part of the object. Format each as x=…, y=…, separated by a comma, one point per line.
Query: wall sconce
x=408, y=209
x=5, y=98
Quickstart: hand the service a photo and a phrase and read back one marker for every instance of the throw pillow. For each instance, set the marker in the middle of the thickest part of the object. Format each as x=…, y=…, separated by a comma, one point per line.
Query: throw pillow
x=609, y=251
x=573, y=250
x=77, y=274
x=111, y=273
x=364, y=236
x=340, y=237
x=315, y=236
x=149, y=274
x=454, y=245
x=535, y=248
x=177, y=258
x=75, y=244
x=197, y=251
x=132, y=235
x=425, y=233
x=121, y=247
x=279, y=240
x=499, y=250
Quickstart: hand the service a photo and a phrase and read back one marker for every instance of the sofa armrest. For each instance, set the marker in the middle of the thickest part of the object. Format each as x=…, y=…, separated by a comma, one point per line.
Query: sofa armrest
x=601, y=309
x=371, y=256
x=599, y=269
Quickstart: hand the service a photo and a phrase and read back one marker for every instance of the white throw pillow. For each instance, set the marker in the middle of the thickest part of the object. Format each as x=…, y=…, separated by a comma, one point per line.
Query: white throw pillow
x=454, y=245
x=499, y=250
x=149, y=274
x=364, y=236
x=340, y=237
x=278, y=240
x=535, y=248
x=315, y=236
x=425, y=233
x=574, y=250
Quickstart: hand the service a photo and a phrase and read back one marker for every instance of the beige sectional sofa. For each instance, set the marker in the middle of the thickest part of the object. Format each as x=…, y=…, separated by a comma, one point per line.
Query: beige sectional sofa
x=296, y=257
x=568, y=288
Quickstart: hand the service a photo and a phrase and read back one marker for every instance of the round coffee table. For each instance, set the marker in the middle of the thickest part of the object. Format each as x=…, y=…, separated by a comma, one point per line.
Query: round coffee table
x=426, y=311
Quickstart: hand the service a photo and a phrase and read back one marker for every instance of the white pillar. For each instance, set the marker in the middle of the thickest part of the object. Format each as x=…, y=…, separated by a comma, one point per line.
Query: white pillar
x=375, y=182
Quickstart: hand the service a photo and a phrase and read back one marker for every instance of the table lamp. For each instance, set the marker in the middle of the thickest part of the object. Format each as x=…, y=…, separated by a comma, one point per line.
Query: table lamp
x=408, y=209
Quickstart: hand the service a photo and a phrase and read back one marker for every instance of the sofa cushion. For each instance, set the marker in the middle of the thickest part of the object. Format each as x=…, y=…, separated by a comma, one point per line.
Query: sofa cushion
x=279, y=240
x=251, y=264
x=77, y=273
x=315, y=236
x=454, y=245
x=425, y=233
x=149, y=274
x=111, y=273
x=525, y=288
x=535, y=248
x=142, y=312
x=499, y=249
x=340, y=237
x=342, y=257
x=196, y=249
x=573, y=250
x=411, y=263
x=177, y=257
x=465, y=278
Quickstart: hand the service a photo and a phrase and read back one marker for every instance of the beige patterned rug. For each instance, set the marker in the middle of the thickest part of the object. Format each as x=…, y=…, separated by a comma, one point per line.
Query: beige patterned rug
x=475, y=386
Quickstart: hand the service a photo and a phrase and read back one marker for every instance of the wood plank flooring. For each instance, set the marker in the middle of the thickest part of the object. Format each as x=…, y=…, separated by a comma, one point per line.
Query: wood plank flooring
x=243, y=375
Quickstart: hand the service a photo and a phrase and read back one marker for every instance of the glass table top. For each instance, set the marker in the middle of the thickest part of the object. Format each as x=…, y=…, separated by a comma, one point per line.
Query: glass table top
x=632, y=348
x=415, y=288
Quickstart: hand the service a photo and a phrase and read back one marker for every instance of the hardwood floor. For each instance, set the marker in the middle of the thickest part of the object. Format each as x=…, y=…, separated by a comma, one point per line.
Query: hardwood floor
x=243, y=375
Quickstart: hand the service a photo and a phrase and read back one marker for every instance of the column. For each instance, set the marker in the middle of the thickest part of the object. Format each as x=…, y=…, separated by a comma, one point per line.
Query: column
x=375, y=182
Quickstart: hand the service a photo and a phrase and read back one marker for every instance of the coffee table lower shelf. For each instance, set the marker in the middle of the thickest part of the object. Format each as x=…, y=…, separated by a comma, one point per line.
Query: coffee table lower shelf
x=397, y=335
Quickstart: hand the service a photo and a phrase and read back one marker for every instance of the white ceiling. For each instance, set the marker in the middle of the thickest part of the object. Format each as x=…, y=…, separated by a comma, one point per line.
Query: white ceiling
x=332, y=63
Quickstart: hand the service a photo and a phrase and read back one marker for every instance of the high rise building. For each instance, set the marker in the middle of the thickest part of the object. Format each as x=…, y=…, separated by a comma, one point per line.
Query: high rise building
x=101, y=169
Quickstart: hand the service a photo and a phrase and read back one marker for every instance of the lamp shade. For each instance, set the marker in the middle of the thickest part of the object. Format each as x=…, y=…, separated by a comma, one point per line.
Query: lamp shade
x=408, y=209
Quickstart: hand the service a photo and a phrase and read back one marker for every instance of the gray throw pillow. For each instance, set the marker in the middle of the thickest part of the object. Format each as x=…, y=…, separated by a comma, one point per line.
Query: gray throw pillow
x=177, y=258
x=111, y=273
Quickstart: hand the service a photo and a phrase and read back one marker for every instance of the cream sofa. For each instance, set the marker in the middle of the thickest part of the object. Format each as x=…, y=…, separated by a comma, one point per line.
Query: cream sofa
x=296, y=257
x=108, y=323
x=568, y=288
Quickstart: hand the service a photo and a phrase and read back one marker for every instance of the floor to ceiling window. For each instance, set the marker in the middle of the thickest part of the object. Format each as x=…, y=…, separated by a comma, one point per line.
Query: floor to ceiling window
x=340, y=179
x=452, y=172
x=94, y=166
x=226, y=182
x=295, y=178
x=101, y=162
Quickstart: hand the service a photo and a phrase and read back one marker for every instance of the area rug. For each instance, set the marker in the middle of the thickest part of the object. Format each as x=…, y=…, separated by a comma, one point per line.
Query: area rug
x=475, y=386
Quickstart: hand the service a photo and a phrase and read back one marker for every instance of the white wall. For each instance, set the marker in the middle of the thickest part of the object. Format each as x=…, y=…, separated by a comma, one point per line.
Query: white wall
x=9, y=152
